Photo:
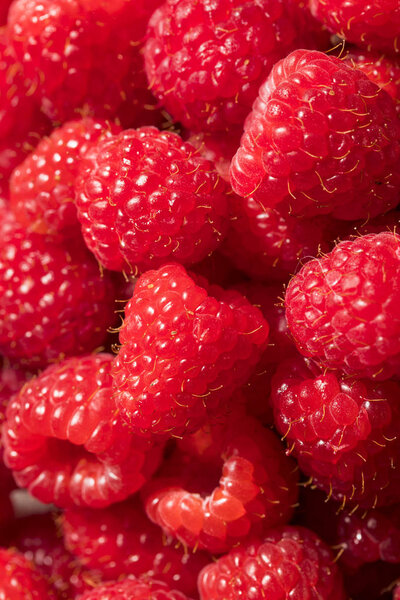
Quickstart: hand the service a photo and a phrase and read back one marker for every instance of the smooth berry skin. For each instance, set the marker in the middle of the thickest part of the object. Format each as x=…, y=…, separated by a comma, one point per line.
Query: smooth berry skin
x=206, y=60
x=120, y=540
x=134, y=589
x=59, y=304
x=322, y=138
x=64, y=440
x=342, y=431
x=226, y=484
x=288, y=563
x=184, y=351
x=42, y=187
x=20, y=580
x=172, y=204
x=84, y=57
x=372, y=25
x=343, y=308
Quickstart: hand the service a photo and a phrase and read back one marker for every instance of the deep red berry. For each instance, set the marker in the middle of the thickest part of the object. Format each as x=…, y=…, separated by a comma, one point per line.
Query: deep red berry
x=289, y=563
x=134, y=589
x=184, y=351
x=206, y=60
x=267, y=243
x=84, y=56
x=217, y=147
x=5, y=5
x=322, y=139
x=64, y=440
x=59, y=303
x=42, y=188
x=342, y=431
x=382, y=70
x=373, y=25
x=20, y=580
x=120, y=540
x=145, y=197
x=21, y=122
x=12, y=378
x=343, y=309
x=227, y=484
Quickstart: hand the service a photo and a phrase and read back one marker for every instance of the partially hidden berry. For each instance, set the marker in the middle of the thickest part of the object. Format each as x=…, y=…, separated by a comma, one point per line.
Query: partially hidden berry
x=20, y=580
x=145, y=197
x=342, y=431
x=322, y=138
x=65, y=442
x=134, y=589
x=289, y=563
x=185, y=350
x=343, y=308
x=228, y=483
x=42, y=187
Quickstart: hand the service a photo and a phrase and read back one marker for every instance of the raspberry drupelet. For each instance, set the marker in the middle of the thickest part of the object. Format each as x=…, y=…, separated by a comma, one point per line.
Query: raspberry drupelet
x=289, y=563
x=145, y=197
x=134, y=589
x=64, y=440
x=322, y=138
x=185, y=349
x=342, y=431
x=343, y=309
x=120, y=540
x=373, y=25
x=206, y=60
x=84, y=56
x=20, y=580
x=59, y=303
x=42, y=187
x=227, y=484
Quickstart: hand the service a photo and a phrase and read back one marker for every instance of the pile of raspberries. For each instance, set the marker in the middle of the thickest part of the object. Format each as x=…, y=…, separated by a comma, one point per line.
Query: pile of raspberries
x=200, y=300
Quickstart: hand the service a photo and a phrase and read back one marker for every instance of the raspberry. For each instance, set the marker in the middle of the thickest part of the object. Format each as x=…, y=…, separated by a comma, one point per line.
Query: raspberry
x=289, y=563
x=12, y=379
x=382, y=70
x=322, y=139
x=172, y=205
x=5, y=5
x=267, y=243
x=343, y=308
x=84, y=56
x=373, y=25
x=184, y=351
x=134, y=589
x=42, y=188
x=59, y=304
x=21, y=122
x=65, y=442
x=384, y=223
x=120, y=540
x=19, y=580
x=206, y=60
x=342, y=431
x=233, y=483
x=217, y=147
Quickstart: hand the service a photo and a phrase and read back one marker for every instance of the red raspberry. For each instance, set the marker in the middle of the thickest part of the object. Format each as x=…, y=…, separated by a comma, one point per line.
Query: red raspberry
x=382, y=70
x=206, y=60
x=42, y=188
x=381, y=224
x=217, y=147
x=226, y=484
x=268, y=243
x=343, y=432
x=374, y=25
x=171, y=206
x=4, y=6
x=65, y=442
x=321, y=139
x=120, y=541
x=12, y=379
x=184, y=351
x=59, y=303
x=289, y=563
x=343, y=309
x=84, y=56
x=21, y=122
x=134, y=589
x=217, y=269
x=19, y=580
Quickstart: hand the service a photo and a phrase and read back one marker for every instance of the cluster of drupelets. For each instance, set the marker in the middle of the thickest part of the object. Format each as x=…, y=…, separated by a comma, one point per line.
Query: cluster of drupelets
x=200, y=299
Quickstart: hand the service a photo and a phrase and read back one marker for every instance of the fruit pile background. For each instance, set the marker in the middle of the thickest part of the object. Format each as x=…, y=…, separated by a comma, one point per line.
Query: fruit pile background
x=199, y=300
